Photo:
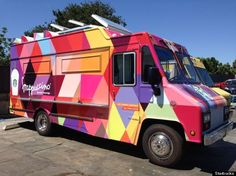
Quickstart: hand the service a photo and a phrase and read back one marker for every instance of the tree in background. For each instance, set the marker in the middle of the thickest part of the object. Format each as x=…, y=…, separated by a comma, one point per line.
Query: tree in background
x=4, y=47
x=226, y=69
x=83, y=11
x=38, y=28
x=213, y=66
x=80, y=12
x=234, y=66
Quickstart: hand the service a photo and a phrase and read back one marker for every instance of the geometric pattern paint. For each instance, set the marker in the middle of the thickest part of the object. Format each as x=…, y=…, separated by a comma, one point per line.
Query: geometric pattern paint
x=70, y=77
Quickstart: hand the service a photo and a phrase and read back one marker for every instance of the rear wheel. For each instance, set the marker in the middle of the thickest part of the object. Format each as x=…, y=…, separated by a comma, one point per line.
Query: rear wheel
x=43, y=123
x=162, y=145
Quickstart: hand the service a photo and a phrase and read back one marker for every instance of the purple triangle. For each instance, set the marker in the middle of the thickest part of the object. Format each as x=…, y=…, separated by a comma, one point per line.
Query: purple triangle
x=127, y=95
x=126, y=115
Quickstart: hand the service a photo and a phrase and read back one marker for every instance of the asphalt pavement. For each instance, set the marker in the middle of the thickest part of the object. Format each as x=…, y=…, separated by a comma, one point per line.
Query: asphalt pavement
x=68, y=153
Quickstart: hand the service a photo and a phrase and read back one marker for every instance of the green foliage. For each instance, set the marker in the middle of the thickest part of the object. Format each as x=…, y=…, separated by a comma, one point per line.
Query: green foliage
x=234, y=66
x=80, y=12
x=4, y=47
x=234, y=63
x=38, y=28
x=83, y=12
x=213, y=66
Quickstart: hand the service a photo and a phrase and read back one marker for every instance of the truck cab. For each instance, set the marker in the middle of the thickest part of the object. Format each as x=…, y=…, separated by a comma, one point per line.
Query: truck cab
x=181, y=98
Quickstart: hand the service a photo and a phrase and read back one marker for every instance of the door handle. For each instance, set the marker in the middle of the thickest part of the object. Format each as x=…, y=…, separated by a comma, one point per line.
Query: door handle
x=113, y=95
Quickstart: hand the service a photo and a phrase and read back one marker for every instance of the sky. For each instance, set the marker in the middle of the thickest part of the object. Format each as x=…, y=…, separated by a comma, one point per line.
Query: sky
x=207, y=28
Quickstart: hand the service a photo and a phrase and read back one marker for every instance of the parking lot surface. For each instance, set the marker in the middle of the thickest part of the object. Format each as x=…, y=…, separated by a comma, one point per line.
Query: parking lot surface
x=68, y=153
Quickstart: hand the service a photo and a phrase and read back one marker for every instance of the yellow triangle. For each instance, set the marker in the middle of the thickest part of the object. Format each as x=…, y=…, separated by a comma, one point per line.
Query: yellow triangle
x=133, y=126
x=61, y=121
x=116, y=127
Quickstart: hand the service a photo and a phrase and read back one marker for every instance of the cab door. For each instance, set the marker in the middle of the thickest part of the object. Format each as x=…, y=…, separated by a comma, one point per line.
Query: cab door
x=124, y=90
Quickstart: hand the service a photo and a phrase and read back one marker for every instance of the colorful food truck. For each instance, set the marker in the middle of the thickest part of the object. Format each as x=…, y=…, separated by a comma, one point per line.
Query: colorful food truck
x=206, y=79
x=230, y=86
x=108, y=82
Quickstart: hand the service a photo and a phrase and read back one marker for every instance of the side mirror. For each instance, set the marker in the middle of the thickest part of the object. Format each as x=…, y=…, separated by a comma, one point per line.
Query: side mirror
x=154, y=76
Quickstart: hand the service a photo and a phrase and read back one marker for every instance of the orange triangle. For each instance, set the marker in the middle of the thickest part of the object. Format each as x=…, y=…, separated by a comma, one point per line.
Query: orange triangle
x=77, y=94
x=101, y=94
x=36, y=50
x=36, y=67
x=125, y=138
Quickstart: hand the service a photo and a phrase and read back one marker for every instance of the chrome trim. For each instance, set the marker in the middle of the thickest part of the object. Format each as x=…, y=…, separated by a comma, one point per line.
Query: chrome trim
x=21, y=110
x=123, y=59
x=161, y=145
x=90, y=119
x=64, y=102
x=24, y=99
x=217, y=134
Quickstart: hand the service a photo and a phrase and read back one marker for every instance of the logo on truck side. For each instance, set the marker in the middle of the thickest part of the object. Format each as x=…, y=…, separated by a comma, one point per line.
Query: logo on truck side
x=14, y=82
x=38, y=89
x=202, y=92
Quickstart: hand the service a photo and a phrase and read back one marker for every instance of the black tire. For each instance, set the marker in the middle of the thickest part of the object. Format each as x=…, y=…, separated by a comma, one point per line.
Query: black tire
x=154, y=139
x=43, y=123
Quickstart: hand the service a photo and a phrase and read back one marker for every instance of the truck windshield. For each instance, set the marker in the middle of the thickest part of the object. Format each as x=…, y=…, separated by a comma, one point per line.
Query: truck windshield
x=234, y=82
x=188, y=67
x=204, y=76
x=172, y=69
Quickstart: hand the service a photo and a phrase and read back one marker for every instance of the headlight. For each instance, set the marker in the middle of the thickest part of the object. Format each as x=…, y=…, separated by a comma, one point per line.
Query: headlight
x=226, y=113
x=206, y=121
x=206, y=118
x=226, y=110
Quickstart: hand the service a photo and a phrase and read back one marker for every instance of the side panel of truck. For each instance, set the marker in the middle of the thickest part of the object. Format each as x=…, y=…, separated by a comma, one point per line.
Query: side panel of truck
x=73, y=84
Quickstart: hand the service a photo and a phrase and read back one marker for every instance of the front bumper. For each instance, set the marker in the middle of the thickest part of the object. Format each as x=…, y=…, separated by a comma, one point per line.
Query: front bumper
x=233, y=102
x=218, y=133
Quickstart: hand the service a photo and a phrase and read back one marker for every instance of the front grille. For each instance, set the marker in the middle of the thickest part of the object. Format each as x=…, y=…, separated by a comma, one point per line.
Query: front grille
x=217, y=117
x=233, y=99
x=229, y=99
x=233, y=92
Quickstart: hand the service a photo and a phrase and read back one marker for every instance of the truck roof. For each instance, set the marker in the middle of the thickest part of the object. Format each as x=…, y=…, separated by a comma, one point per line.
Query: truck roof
x=96, y=37
x=77, y=39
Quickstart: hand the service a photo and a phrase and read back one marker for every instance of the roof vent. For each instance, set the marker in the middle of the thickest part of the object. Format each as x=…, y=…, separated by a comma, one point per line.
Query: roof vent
x=50, y=34
x=78, y=23
x=59, y=27
x=17, y=41
x=26, y=38
x=38, y=36
x=111, y=25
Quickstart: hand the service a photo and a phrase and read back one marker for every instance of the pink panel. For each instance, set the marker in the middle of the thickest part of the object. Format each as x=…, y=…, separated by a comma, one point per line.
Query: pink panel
x=89, y=85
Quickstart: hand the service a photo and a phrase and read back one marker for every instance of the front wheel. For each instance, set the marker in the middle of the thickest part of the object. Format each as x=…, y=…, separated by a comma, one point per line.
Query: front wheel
x=43, y=123
x=162, y=145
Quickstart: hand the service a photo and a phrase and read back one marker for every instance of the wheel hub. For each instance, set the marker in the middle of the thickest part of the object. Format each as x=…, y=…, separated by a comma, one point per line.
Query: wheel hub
x=42, y=122
x=161, y=145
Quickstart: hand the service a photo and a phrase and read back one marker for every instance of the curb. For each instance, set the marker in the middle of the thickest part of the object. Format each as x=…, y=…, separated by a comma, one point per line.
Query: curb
x=13, y=123
x=11, y=126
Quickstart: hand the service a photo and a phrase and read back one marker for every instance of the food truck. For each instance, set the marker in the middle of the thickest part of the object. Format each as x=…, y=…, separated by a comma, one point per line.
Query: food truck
x=206, y=79
x=111, y=83
x=230, y=86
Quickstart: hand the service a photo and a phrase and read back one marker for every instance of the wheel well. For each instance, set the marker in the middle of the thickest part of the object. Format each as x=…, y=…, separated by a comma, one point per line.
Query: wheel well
x=148, y=122
x=36, y=112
